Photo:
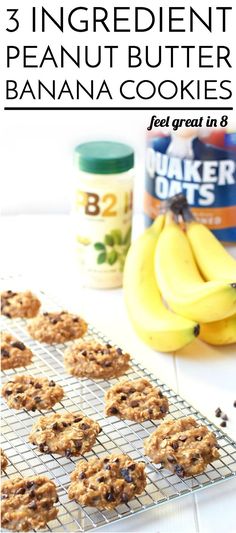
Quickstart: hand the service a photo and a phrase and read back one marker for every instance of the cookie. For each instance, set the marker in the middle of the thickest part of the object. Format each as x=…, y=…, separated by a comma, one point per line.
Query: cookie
x=19, y=304
x=135, y=400
x=4, y=460
x=14, y=353
x=182, y=446
x=57, y=327
x=95, y=360
x=107, y=482
x=30, y=393
x=66, y=434
x=28, y=503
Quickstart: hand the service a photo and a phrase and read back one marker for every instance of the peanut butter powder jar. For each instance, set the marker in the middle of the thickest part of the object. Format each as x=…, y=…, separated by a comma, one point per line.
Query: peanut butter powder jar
x=102, y=211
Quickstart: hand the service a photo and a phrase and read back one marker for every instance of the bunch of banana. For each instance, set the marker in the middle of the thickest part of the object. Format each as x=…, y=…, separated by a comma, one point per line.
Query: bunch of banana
x=153, y=322
x=191, y=271
x=214, y=263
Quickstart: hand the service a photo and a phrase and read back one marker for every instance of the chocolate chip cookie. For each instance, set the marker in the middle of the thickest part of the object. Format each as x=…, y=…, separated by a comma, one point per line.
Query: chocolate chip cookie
x=182, y=446
x=95, y=360
x=135, y=400
x=19, y=304
x=4, y=460
x=14, y=353
x=66, y=434
x=28, y=503
x=55, y=328
x=30, y=393
x=107, y=482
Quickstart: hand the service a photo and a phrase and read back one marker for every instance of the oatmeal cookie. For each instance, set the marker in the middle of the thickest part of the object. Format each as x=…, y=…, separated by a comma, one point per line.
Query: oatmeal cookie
x=95, y=360
x=66, y=434
x=30, y=393
x=4, y=460
x=107, y=482
x=135, y=400
x=28, y=503
x=182, y=446
x=19, y=304
x=57, y=327
x=14, y=353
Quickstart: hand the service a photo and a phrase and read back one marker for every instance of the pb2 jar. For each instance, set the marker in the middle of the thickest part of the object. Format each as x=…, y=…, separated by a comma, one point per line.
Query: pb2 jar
x=103, y=211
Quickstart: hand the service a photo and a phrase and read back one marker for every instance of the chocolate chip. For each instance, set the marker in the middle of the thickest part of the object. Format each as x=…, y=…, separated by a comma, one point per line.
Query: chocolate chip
x=131, y=390
x=218, y=412
x=124, y=472
x=68, y=453
x=123, y=397
x=54, y=321
x=20, y=390
x=82, y=475
x=18, y=344
x=106, y=460
x=134, y=403
x=124, y=498
x=199, y=437
x=160, y=394
x=8, y=392
x=108, y=345
x=55, y=426
x=32, y=493
x=224, y=417
x=150, y=412
x=65, y=424
x=117, y=460
x=132, y=467
x=32, y=505
x=101, y=479
x=106, y=364
x=163, y=408
x=84, y=426
x=52, y=383
x=195, y=457
x=75, y=319
x=29, y=484
x=107, y=467
x=8, y=315
x=183, y=438
x=110, y=497
x=5, y=353
x=113, y=411
x=38, y=386
x=223, y=424
x=84, y=352
x=45, y=313
x=37, y=399
x=175, y=445
x=119, y=351
x=77, y=419
x=179, y=470
x=78, y=444
x=43, y=448
x=171, y=459
x=21, y=490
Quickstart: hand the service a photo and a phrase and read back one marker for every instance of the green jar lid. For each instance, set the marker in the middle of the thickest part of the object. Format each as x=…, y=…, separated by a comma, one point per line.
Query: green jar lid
x=104, y=157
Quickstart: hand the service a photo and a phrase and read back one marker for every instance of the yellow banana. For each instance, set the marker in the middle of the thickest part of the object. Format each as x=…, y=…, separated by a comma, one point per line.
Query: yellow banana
x=156, y=326
x=213, y=260
x=220, y=332
x=181, y=284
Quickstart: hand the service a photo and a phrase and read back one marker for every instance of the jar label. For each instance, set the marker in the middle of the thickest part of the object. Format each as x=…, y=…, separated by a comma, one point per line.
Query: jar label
x=103, y=231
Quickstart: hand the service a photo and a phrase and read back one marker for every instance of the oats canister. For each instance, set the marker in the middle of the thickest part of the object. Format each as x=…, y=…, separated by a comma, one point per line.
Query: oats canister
x=103, y=211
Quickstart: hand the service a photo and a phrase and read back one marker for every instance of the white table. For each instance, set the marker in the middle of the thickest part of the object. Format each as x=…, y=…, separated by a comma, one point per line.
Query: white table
x=39, y=247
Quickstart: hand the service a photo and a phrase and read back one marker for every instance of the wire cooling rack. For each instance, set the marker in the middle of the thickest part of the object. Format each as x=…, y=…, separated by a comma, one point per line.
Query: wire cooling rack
x=116, y=436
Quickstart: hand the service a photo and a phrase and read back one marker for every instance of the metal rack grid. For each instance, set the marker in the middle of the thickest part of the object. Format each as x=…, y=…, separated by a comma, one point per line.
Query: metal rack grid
x=117, y=435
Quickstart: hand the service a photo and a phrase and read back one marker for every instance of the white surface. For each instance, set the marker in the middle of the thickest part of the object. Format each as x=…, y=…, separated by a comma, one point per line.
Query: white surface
x=40, y=248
